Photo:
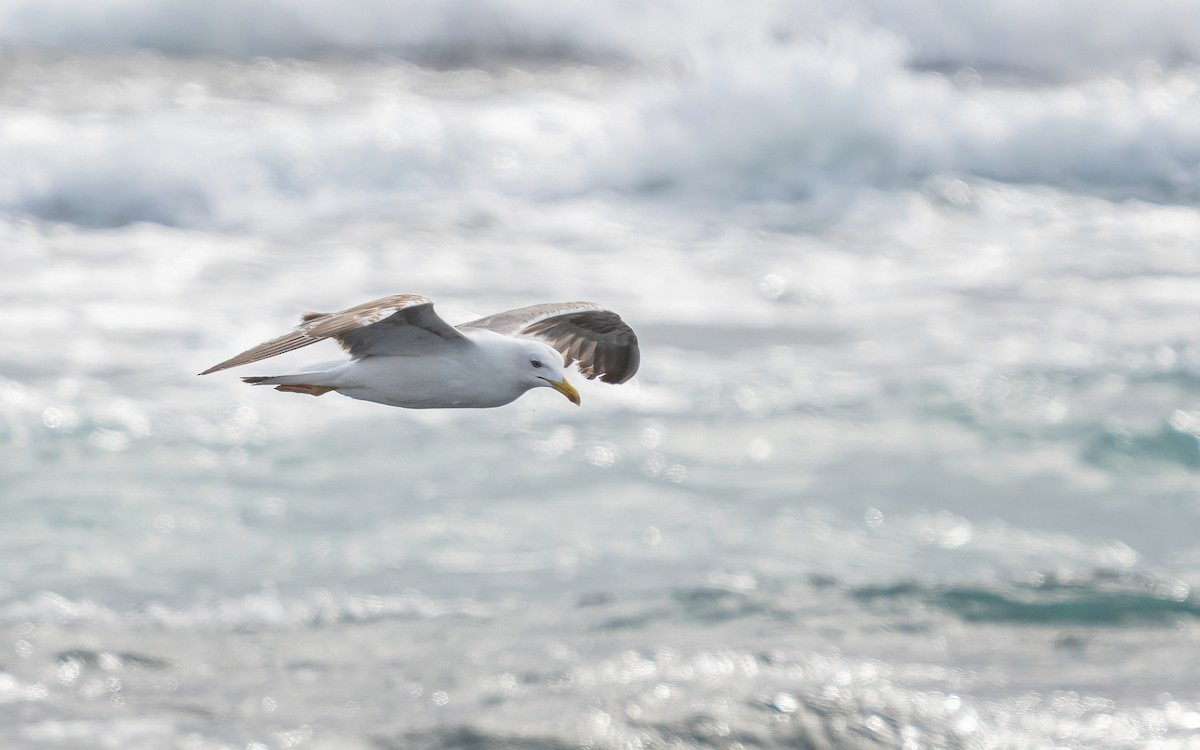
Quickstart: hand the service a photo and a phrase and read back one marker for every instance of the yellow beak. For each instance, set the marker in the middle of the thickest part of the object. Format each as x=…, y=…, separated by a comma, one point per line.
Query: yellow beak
x=565, y=388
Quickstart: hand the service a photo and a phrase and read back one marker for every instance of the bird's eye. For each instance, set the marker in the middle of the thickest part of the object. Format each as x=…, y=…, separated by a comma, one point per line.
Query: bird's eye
x=535, y=363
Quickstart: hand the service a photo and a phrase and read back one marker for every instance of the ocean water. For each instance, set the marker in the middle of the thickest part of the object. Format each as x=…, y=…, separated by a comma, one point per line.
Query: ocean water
x=912, y=460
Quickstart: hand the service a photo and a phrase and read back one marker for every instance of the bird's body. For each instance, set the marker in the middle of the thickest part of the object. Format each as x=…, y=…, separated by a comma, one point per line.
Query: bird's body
x=403, y=354
x=463, y=377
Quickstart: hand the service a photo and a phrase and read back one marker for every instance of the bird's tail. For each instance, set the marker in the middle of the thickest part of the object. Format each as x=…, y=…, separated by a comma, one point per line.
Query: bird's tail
x=301, y=383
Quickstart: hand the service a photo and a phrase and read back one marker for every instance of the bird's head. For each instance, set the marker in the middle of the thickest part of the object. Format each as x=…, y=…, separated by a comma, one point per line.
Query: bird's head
x=543, y=366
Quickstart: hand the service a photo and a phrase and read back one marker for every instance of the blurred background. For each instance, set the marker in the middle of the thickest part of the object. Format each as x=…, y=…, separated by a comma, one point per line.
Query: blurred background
x=911, y=461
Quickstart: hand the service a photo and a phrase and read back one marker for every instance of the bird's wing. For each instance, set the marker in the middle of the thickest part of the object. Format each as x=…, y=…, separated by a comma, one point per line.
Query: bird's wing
x=604, y=345
x=400, y=324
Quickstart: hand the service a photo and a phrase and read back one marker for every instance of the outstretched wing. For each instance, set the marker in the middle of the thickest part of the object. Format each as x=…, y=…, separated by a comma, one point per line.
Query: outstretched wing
x=393, y=325
x=604, y=345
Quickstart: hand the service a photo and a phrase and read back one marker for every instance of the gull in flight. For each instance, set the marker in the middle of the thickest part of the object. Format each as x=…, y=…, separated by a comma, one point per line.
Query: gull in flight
x=403, y=354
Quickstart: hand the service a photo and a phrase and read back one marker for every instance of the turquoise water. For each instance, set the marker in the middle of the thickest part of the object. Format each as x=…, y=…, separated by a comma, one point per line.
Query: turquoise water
x=911, y=460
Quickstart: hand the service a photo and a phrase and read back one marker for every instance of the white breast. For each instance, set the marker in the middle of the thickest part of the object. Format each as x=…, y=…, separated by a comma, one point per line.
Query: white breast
x=479, y=376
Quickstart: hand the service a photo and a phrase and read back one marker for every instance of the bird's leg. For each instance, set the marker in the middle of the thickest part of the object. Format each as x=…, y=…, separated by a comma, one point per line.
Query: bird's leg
x=312, y=390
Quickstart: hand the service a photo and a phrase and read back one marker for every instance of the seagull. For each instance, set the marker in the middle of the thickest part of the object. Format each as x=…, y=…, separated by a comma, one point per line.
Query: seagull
x=403, y=354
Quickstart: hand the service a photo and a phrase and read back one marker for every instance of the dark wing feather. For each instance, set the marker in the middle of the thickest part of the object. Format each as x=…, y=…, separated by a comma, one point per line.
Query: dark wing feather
x=596, y=337
x=392, y=325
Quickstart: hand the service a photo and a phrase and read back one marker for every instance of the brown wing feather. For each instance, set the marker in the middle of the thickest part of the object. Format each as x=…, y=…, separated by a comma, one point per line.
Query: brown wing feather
x=381, y=326
x=603, y=344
